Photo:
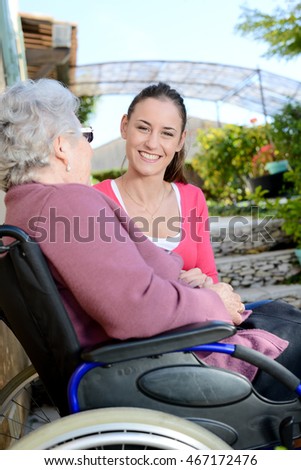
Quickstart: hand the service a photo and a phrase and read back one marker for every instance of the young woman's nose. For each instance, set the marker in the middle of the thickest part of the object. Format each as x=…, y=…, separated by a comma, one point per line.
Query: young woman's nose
x=152, y=140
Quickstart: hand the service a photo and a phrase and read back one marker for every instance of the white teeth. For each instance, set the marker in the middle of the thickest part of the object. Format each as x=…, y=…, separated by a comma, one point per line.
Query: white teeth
x=149, y=157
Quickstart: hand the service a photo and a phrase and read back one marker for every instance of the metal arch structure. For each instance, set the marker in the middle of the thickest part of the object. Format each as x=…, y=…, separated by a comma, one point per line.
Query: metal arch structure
x=252, y=89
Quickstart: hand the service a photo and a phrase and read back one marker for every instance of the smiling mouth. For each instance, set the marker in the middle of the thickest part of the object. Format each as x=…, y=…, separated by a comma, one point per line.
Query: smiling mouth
x=149, y=157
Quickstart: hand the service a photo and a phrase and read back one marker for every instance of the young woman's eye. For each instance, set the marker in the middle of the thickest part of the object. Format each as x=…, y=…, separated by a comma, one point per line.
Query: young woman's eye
x=143, y=128
x=168, y=134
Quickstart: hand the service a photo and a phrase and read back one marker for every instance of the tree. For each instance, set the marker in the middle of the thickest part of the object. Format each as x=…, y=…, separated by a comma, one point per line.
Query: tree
x=87, y=108
x=224, y=159
x=286, y=135
x=281, y=31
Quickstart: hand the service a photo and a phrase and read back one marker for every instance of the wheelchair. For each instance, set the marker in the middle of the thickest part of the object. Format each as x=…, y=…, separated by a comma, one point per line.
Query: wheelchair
x=151, y=393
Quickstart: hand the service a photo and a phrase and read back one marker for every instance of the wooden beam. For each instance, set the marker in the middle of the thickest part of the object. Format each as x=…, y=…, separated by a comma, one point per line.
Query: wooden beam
x=41, y=56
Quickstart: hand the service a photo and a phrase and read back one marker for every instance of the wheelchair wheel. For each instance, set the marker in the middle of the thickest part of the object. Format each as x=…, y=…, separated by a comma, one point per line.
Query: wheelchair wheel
x=121, y=429
x=22, y=407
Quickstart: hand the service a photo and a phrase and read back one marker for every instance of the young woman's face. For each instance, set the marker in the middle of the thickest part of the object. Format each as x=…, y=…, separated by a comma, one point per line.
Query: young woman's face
x=153, y=135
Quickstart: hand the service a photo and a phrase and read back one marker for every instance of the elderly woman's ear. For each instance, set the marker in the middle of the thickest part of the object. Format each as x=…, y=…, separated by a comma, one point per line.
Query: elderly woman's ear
x=62, y=149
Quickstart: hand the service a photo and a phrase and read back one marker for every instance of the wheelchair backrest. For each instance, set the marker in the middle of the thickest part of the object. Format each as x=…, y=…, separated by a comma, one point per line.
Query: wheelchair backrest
x=33, y=310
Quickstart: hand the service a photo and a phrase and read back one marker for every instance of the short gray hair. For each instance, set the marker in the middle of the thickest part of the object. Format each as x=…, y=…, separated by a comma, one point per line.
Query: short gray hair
x=32, y=115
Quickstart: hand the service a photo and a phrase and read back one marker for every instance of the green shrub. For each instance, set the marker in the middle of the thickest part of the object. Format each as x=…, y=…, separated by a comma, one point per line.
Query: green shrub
x=114, y=173
x=286, y=135
x=290, y=212
x=224, y=159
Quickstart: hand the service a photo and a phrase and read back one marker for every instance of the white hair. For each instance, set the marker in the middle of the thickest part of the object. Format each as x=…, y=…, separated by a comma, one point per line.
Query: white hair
x=32, y=115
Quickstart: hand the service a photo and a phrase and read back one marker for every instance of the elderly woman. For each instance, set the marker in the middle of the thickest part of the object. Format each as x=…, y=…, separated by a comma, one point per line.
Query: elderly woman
x=114, y=282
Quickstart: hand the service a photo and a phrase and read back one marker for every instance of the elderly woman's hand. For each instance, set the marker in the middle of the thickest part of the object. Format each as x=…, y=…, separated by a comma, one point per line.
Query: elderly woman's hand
x=195, y=278
x=231, y=300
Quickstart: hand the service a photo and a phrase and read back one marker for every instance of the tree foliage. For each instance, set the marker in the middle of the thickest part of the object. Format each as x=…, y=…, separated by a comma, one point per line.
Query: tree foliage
x=224, y=158
x=281, y=31
x=286, y=135
x=87, y=108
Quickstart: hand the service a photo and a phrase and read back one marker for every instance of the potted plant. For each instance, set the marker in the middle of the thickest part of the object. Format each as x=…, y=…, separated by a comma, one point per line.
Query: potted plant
x=267, y=170
x=277, y=167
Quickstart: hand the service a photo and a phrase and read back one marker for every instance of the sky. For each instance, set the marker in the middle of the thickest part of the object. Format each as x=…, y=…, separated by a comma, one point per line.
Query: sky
x=188, y=30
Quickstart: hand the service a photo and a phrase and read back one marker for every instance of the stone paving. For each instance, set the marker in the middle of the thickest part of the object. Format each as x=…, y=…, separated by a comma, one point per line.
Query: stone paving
x=289, y=293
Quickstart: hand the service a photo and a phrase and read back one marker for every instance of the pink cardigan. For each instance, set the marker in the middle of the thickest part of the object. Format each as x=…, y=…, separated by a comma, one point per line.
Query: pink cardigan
x=195, y=246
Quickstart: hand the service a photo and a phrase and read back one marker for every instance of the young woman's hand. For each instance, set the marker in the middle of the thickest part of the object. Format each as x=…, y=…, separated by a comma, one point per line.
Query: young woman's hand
x=195, y=278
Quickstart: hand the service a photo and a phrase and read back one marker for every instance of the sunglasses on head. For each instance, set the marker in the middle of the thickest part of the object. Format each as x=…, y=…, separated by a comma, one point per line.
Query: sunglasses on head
x=87, y=133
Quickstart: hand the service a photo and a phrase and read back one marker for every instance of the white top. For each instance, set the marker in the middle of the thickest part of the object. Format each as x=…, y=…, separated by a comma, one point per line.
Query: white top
x=169, y=243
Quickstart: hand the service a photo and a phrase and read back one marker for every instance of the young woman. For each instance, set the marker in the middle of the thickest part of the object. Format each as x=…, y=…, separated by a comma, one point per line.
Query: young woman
x=154, y=191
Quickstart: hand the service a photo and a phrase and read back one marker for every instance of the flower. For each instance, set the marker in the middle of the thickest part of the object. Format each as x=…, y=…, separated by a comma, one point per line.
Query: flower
x=253, y=120
x=265, y=155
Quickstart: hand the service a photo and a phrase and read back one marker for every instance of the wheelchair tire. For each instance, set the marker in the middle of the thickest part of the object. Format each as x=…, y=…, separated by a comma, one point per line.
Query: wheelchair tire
x=20, y=410
x=121, y=428
x=11, y=390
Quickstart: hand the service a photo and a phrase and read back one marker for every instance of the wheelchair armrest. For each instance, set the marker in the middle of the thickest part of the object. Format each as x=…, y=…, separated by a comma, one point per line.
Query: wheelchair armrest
x=169, y=341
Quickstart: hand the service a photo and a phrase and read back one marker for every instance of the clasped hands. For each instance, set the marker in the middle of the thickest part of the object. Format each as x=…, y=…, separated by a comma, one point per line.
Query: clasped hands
x=232, y=301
